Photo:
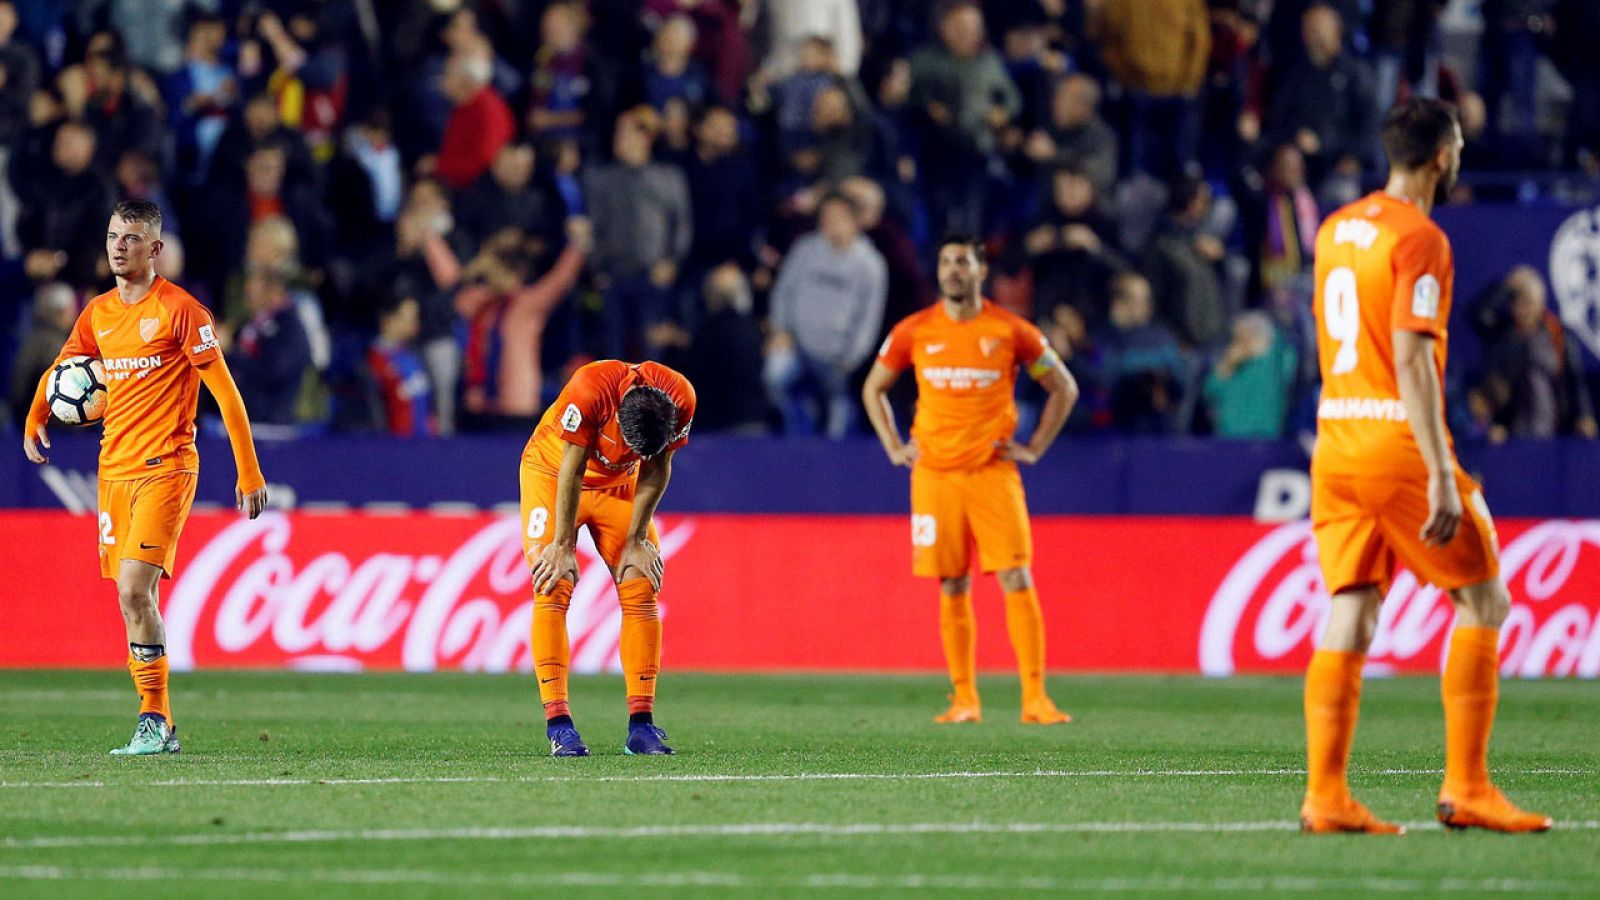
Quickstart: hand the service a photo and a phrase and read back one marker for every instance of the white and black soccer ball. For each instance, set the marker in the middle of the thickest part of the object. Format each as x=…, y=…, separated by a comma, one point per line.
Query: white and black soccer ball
x=77, y=390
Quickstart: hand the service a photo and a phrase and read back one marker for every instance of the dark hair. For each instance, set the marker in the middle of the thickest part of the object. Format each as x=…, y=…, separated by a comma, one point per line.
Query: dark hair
x=1414, y=131
x=965, y=239
x=649, y=420
x=138, y=211
x=834, y=195
x=1183, y=191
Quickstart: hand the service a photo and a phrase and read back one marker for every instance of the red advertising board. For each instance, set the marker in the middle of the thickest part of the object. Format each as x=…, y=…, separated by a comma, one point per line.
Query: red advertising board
x=423, y=591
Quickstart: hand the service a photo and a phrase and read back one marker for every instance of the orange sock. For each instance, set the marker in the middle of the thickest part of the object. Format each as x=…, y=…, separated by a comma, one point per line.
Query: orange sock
x=551, y=652
x=960, y=637
x=150, y=680
x=1332, y=702
x=1471, y=688
x=641, y=642
x=1025, y=622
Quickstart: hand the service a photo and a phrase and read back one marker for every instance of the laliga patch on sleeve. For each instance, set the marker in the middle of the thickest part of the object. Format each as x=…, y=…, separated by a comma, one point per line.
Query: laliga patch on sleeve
x=208, y=340
x=1425, y=297
x=571, y=418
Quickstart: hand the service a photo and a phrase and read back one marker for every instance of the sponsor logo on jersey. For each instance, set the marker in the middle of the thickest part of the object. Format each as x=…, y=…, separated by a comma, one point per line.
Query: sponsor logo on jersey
x=960, y=378
x=1372, y=409
x=933, y=348
x=121, y=368
x=571, y=418
x=1425, y=298
x=208, y=340
x=148, y=329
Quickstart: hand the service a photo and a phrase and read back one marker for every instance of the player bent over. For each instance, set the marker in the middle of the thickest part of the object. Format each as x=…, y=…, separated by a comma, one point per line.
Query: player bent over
x=601, y=456
x=157, y=345
x=1385, y=481
x=963, y=458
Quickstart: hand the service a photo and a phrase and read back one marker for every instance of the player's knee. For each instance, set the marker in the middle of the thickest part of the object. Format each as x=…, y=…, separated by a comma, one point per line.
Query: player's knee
x=961, y=584
x=1486, y=604
x=136, y=602
x=557, y=599
x=1018, y=579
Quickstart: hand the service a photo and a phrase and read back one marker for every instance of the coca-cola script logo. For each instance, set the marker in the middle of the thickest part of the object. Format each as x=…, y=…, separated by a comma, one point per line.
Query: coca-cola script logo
x=1268, y=612
x=341, y=593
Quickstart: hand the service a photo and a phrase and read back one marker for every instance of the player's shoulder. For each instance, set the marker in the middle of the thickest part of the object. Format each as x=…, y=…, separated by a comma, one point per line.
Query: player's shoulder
x=668, y=379
x=919, y=319
x=175, y=298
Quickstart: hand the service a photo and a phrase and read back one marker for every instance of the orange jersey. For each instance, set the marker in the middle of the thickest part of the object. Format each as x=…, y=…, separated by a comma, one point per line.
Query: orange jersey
x=150, y=351
x=1381, y=265
x=586, y=414
x=966, y=375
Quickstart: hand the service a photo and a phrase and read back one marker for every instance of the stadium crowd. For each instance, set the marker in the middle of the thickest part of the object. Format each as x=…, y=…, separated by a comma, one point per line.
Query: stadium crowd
x=418, y=216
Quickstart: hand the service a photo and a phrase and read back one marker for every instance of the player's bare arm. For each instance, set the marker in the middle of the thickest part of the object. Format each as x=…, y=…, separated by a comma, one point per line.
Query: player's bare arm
x=1423, y=399
x=250, y=494
x=875, y=397
x=1062, y=389
x=559, y=558
x=34, y=437
x=641, y=554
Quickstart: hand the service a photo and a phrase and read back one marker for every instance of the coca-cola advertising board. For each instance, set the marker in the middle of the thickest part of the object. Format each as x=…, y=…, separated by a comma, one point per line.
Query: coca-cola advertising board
x=422, y=592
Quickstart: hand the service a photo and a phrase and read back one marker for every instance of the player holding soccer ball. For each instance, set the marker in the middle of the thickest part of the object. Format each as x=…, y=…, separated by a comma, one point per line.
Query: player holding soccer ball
x=963, y=457
x=1385, y=484
x=156, y=345
x=601, y=456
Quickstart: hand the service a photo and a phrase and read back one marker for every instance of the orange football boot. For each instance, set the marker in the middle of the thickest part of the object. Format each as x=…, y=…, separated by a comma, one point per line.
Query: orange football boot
x=1489, y=809
x=962, y=709
x=1041, y=711
x=1342, y=817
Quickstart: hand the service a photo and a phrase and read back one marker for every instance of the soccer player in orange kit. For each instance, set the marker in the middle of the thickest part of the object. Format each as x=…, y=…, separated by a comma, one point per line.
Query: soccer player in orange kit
x=963, y=456
x=1385, y=481
x=157, y=345
x=601, y=456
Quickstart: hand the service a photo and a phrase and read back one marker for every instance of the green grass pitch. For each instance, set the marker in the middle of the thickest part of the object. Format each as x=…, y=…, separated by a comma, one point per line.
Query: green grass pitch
x=392, y=786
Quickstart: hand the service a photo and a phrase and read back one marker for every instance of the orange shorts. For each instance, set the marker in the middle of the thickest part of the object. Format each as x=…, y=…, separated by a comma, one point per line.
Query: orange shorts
x=141, y=519
x=951, y=509
x=1363, y=525
x=606, y=512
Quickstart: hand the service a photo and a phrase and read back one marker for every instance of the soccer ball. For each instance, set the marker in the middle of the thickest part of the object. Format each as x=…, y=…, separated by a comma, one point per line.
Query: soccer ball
x=77, y=390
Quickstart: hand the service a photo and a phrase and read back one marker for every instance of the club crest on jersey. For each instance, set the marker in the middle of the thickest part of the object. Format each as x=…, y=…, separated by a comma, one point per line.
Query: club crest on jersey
x=148, y=328
x=988, y=345
x=571, y=418
x=1425, y=297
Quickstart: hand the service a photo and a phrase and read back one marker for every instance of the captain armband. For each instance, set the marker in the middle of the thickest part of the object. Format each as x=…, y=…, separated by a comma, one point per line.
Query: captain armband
x=1047, y=361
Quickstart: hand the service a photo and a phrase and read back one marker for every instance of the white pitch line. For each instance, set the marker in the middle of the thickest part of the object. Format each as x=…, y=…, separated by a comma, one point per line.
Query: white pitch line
x=724, y=778
x=835, y=881
x=636, y=832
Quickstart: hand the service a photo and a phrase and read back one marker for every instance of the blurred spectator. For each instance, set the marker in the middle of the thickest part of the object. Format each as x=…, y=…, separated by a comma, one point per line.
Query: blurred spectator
x=55, y=308
x=64, y=211
x=233, y=210
x=122, y=118
x=151, y=30
x=506, y=311
x=1324, y=104
x=1514, y=37
x=827, y=309
x=1034, y=67
x=722, y=355
x=270, y=356
x=1140, y=363
x=401, y=379
x=310, y=83
x=643, y=229
x=789, y=25
x=1280, y=225
x=1405, y=42
x=724, y=192
x=1577, y=33
x=258, y=127
x=138, y=176
x=569, y=89
x=509, y=196
x=1247, y=393
x=673, y=73
x=1534, y=387
x=200, y=95
x=909, y=289
x=20, y=66
x=366, y=184
x=1071, y=248
x=1075, y=135
x=841, y=138
x=480, y=125
x=1157, y=51
x=961, y=86
x=1182, y=266
x=794, y=96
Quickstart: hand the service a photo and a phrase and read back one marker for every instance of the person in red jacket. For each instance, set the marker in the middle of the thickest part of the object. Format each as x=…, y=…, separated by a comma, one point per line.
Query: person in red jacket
x=480, y=125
